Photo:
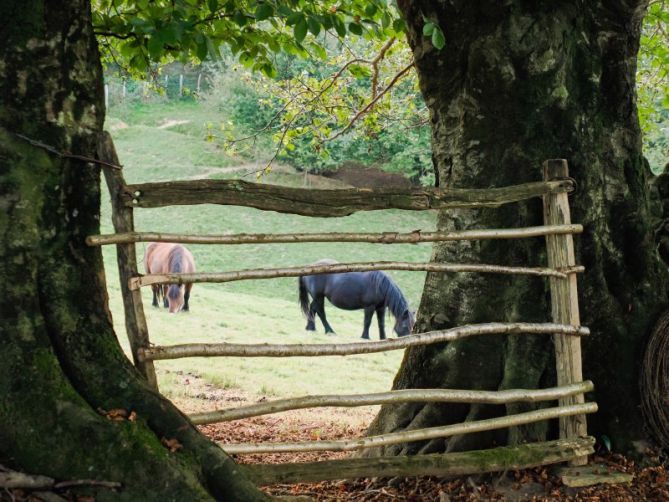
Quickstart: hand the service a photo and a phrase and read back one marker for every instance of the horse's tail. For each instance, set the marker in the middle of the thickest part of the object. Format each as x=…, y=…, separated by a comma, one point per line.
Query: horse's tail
x=304, y=296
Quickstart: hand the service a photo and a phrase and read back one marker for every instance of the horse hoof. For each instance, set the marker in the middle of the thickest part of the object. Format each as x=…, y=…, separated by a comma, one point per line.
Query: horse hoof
x=364, y=337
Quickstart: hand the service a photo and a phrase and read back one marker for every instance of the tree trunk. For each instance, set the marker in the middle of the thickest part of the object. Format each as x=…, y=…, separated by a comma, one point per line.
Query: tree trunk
x=60, y=363
x=518, y=83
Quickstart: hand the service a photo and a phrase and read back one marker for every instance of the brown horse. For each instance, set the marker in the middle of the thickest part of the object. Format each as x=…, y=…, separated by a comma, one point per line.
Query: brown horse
x=164, y=258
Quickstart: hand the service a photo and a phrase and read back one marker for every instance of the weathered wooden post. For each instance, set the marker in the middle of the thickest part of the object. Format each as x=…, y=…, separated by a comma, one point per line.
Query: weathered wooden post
x=564, y=301
x=122, y=217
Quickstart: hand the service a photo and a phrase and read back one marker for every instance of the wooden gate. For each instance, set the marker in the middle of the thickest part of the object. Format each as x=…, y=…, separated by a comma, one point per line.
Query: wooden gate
x=574, y=445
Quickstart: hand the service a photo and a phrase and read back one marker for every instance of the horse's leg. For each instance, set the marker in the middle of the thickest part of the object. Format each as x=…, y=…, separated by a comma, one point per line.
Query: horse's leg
x=369, y=312
x=311, y=317
x=154, y=290
x=187, y=296
x=320, y=310
x=381, y=319
x=165, y=287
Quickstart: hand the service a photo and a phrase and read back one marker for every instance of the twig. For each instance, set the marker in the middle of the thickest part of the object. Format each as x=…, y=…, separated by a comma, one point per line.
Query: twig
x=375, y=64
x=19, y=480
x=65, y=155
x=63, y=485
x=371, y=104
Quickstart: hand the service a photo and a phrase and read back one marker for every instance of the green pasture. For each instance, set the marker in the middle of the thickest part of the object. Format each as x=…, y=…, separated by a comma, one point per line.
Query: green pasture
x=249, y=311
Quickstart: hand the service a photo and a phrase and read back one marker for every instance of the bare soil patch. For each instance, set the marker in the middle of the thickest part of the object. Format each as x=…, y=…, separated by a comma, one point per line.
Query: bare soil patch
x=368, y=177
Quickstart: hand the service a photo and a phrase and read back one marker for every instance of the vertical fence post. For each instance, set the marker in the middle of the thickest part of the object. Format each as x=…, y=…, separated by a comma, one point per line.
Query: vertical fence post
x=122, y=217
x=181, y=85
x=564, y=301
x=106, y=96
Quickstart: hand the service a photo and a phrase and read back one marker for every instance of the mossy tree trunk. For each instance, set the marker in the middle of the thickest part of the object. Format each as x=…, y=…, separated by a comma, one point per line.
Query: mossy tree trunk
x=60, y=362
x=518, y=83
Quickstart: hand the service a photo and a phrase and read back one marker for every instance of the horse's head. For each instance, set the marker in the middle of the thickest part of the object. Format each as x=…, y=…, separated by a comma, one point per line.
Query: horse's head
x=404, y=323
x=175, y=298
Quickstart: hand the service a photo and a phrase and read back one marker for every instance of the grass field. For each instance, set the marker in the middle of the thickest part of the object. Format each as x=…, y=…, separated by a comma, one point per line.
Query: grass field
x=163, y=142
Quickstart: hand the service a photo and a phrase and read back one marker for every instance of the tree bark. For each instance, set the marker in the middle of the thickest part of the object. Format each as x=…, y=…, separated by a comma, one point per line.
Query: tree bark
x=518, y=83
x=61, y=365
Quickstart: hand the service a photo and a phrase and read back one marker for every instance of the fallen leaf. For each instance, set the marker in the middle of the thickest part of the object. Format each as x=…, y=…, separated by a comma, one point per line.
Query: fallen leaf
x=171, y=444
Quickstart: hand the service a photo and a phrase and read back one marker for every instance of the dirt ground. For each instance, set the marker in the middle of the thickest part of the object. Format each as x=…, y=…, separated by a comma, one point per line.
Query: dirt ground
x=649, y=483
x=541, y=484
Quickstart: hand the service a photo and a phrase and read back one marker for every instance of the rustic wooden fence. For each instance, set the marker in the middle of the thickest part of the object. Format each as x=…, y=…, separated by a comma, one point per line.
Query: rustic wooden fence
x=574, y=445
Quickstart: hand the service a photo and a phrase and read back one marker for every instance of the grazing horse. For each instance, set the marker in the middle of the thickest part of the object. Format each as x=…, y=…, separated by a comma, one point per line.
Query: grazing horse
x=165, y=258
x=373, y=291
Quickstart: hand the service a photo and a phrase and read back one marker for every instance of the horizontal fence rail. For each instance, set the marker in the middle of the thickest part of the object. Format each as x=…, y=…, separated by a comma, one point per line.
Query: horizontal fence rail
x=378, y=237
x=273, y=273
x=432, y=464
x=329, y=203
x=342, y=349
x=395, y=396
x=413, y=435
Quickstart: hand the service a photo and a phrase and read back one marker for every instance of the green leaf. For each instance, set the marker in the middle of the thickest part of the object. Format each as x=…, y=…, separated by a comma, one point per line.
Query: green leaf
x=438, y=39
x=155, y=47
x=246, y=59
x=300, y=30
x=201, y=50
x=170, y=34
x=320, y=52
x=264, y=11
x=370, y=10
x=399, y=26
x=359, y=71
x=269, y=70
x=355, y=28
x=327, y=22
x=386, y=20
x=213, y=5
x=340, y=27
x=239, y=18
x=294, y=18
x=428, y=28
x=314, y=25
x=284, y=10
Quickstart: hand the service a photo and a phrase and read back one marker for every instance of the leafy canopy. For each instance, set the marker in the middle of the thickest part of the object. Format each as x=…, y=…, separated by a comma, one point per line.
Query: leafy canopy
x=139, y=33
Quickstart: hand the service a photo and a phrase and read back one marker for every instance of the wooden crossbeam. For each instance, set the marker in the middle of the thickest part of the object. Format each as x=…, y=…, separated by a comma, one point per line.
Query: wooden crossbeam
x=435, y=464
x=273, y=273
x=328, y=202
x=294, y=238
x=409, y=436
x=342, y=349
x=394, y=396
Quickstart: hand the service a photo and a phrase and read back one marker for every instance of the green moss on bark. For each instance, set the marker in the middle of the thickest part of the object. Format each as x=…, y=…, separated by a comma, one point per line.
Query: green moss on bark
x=527, y=82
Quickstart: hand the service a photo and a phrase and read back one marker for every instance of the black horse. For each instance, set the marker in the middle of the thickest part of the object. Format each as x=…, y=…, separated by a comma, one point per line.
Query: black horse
x=373, y=291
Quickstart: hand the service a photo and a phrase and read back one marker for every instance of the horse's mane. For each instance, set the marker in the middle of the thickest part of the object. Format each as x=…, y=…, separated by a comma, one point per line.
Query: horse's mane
x=175, y=262
x=394, y=298
x=175, y=259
